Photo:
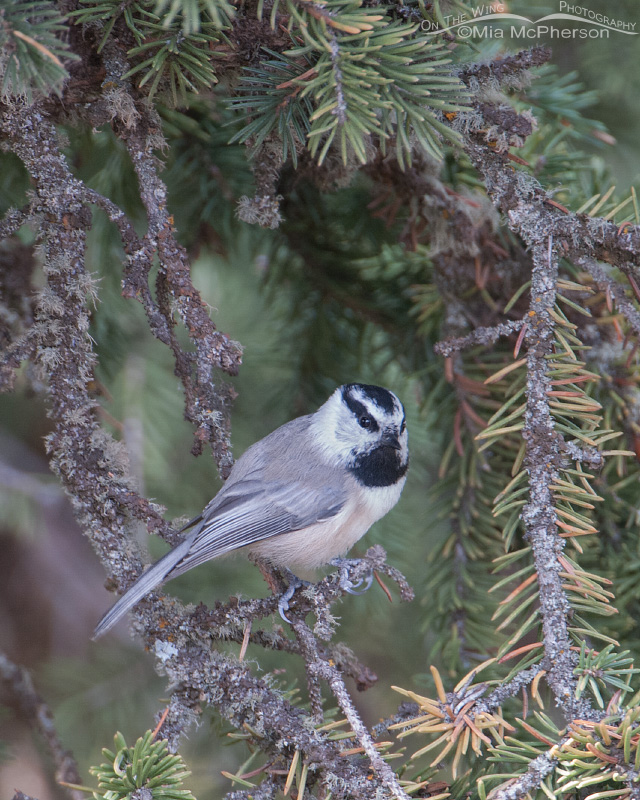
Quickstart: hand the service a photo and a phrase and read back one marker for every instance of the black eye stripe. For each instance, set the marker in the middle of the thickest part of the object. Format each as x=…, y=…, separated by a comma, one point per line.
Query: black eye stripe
x=359, y=410
x=355, y=406
x=383, y=398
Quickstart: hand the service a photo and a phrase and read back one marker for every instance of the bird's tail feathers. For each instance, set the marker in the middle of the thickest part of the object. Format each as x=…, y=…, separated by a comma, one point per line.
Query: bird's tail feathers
x=145, y=583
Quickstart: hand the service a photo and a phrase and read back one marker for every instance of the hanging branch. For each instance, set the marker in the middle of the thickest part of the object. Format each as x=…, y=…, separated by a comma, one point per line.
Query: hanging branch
x=206, y=405
x=541, y=460
x=19, y=689
x=321, y=668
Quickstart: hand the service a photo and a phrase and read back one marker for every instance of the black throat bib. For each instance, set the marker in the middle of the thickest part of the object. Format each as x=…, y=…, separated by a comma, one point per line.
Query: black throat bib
x=381, y=467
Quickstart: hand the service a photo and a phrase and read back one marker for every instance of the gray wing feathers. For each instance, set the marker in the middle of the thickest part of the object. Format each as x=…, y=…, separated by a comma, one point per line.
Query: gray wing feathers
x=245, y=512
x=275, y=509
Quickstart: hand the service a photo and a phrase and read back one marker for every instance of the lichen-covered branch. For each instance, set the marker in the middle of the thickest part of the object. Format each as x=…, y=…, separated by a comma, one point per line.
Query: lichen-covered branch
x=537, y=771
x=12, y=221
x=550, y=233
x=180, y=640
x=321, y=668
x=538, y=515
x=480, y=335
x=504, y=70
x=204, y=676
x=529, y=208
x=19, y=691
x=502, y=693
x=475, y=271
x=613, y=290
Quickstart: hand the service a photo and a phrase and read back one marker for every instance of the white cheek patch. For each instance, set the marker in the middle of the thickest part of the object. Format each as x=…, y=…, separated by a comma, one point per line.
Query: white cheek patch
x=337, y=431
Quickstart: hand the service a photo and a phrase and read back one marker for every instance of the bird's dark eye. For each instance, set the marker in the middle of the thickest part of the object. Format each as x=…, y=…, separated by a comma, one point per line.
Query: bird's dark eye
x=403, y=426
x=365, y=422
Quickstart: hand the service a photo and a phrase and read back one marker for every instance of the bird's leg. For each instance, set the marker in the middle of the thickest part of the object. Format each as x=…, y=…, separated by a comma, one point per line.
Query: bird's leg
x=274, y=576
x=346, y=584
x=295, y=583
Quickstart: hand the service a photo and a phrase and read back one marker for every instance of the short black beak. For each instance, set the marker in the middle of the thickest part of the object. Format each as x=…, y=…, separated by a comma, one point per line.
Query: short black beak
x=390, y=439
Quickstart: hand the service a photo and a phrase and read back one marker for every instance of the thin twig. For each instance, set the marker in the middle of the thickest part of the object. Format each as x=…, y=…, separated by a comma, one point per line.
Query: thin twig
x=530, y=780
x=329, y=673
x=478, y=336
x=505, y=691
x=13, y=220
x=605, y=283
x=18, y=686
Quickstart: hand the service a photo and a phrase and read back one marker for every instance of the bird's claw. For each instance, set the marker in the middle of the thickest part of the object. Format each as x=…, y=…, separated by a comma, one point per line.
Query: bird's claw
x=295, y=583
x=346, y=584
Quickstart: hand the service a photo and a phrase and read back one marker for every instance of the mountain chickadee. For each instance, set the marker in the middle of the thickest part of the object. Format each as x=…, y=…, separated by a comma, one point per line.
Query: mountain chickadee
x=301, y=496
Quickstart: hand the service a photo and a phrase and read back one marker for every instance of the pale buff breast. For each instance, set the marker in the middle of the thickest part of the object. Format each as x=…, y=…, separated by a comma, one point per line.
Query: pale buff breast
x=319, y=543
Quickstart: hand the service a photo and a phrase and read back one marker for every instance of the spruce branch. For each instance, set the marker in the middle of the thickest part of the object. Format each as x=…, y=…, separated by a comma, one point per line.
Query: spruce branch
x=18, y=688
x=17, y=309
x=480, y=335
x=319, y=667
x=511, y=688
x=193, y=14
x=267, y=790
x=487, y=395
x=362, y=75
x=527, y=205
x=271, y=96
x=538, y=514
x=147, y=769
x=205, y=406
x=226, y=621
x=539, y=221
x=12, y=221
x=506, y=69
x=278, y=728
x=613, y=289
x=546, y=411
x=590, y=455
x=461, y=720
x=170, y=52
x=530, y=209
x=101, y=489
x=530, y=780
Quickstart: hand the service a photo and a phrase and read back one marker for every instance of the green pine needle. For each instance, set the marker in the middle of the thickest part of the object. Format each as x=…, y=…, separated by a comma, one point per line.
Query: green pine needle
x=32, y=55
x=146, y=765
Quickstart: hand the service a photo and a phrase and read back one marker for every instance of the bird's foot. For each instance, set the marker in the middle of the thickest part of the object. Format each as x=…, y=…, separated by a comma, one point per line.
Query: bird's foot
x=295, y=583
x=346, y=584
